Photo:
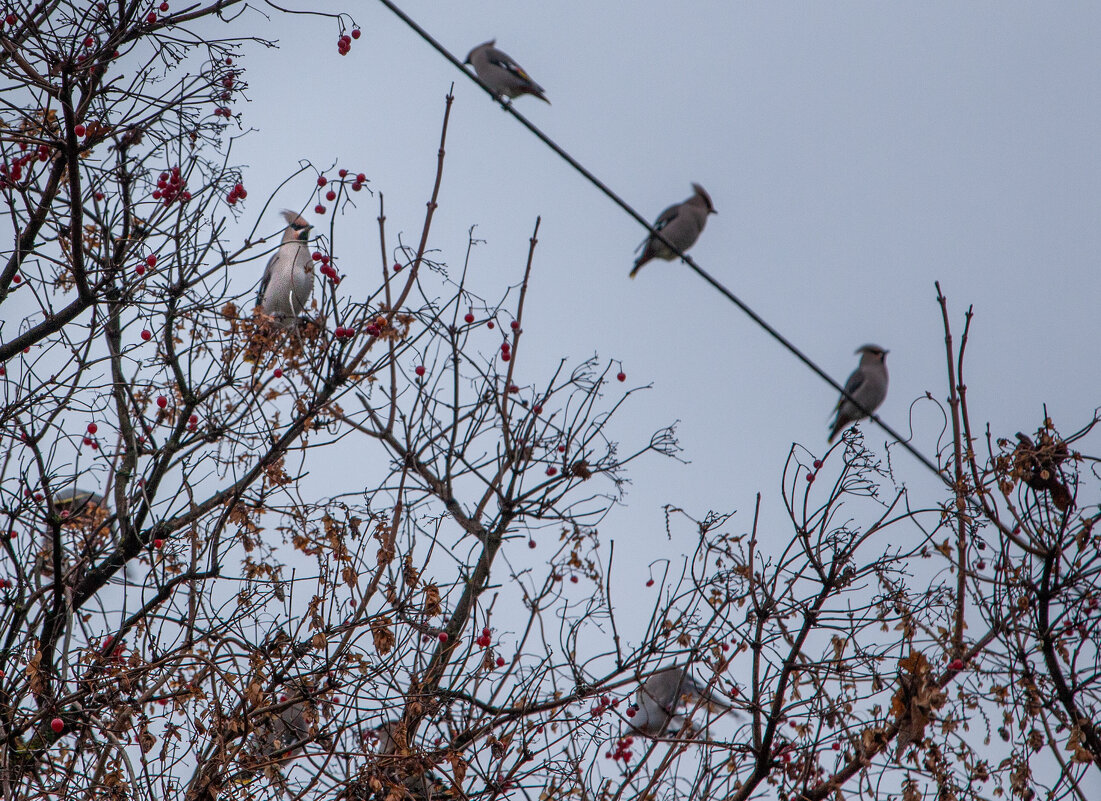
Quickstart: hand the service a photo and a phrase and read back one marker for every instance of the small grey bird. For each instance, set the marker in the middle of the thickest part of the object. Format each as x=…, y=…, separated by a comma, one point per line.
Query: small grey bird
x=867, y=384
x=501, y=73
x=680, y=224
x=661, y=696
x=292, y=724
x=288, y=279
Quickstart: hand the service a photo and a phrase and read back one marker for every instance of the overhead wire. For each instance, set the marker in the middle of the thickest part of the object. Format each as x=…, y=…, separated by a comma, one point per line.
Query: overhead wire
x=630, y=210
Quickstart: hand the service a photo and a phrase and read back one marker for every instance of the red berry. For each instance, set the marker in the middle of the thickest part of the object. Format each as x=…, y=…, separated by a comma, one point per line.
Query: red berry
x=361, y=178
x=146, y=334
x=356, y=33
x=10, y=19
x=419, y=370
x=322, y=180
x=330, y=195
x=500, y=661
x=537, y=409
x=58, y=725
x=442, y=636
x=92, y=428
x=468, y=317
x=79, y=130
x=531, y=543
x=316, y=256
x=157, y=543
x=552, y=470
x=573, y=579
x=278, y=373
x=836, y=746
x=99, y=196
x=164, y=6
x=506, y=356
x=631, y=712
x=955, y=664
x=515, y=325
x=621, y=377
x=561, y=448
x=397, y=268
x=356, y=186
x=193, y=419
x=810, y=478
x=342, y=173
x=151, y=260
x=486, y=632
x=514, y=389
x=162, y=401
x=89, y=41
x=489, y=325
x=650, y=583
x=319, y=209
x=140, y=269
x=151, y=17
x=817, y=464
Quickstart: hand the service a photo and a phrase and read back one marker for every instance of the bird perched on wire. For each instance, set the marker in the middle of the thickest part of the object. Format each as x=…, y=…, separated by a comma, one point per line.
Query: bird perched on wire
x=500, y=72
x=664, y=693
x=288, y=279
x=867, y=385
x=680, y=224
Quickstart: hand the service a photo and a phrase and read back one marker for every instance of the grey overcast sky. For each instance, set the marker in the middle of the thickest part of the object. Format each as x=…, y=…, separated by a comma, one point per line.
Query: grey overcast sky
x=855, y=151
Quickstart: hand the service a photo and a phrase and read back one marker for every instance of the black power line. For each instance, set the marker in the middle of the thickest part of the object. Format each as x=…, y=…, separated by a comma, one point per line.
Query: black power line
x=623, y=204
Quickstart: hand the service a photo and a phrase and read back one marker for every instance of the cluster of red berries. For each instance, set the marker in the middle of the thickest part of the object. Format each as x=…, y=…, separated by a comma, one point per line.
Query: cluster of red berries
x=193, y=423
x=622, y=747
x=602, y=705
x=89, y=439
x=344, y=333
x=344, y=43
x=326, y=268
x=506, y=352
x=150, y=262
x=483, y=639
x=14, y=172
x=222, y=111
x=376, y=326
x=171, y=187
x=236, y=193
x=357, y=182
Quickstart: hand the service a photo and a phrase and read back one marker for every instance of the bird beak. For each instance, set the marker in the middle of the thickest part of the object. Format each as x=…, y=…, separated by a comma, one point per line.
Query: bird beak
x=712, y=211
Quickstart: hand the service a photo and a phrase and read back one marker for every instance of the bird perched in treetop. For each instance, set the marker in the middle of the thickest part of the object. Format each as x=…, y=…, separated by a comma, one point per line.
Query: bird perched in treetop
x=288, y=280
x=501, y=73
x=680, y=224
x=867, y=384
x=662, y=694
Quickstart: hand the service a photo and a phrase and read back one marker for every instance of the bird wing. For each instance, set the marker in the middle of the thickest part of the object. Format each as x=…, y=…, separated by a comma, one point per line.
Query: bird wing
x=662, y=222
x=266, y=279
x=855, y=382
x=501, y=59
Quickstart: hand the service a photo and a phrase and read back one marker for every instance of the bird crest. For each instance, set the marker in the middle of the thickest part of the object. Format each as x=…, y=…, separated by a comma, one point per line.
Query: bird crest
x=295, y=220
x=699, y=190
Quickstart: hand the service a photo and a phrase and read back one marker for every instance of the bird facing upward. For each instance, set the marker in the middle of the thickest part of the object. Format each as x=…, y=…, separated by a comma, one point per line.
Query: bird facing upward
x=680, y=224
x=501, y=73
x=288, y=279
x=867, y=385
